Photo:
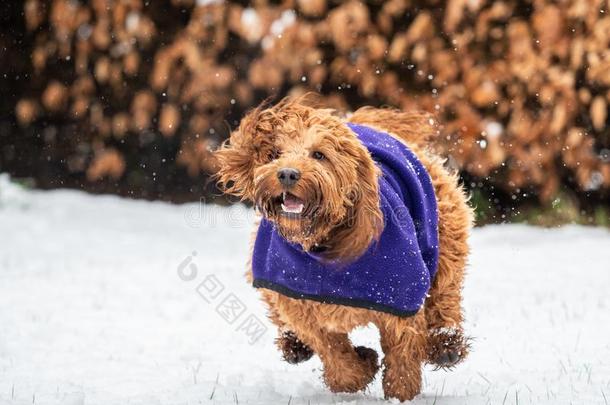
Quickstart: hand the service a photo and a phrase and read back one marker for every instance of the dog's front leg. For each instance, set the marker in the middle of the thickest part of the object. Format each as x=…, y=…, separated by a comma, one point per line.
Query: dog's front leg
x=404, y=346
x=346, y=369
x=293, y=349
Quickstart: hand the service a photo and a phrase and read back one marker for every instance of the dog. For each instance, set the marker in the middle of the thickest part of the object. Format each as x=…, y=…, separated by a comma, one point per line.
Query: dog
x=329, y=190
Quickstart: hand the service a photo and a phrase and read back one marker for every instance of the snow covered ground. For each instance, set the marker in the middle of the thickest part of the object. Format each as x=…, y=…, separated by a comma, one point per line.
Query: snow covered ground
x=102, y=302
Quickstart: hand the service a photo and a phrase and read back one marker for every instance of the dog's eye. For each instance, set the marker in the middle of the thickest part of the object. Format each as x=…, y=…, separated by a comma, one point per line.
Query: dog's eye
x=318, y=155
x=274, y=154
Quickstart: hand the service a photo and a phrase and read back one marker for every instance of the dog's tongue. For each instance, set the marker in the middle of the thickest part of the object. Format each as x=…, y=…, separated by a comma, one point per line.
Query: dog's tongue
x=292, y=204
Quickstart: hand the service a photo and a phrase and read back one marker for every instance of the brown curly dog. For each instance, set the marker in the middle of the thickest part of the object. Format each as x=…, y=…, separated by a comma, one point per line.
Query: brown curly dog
x=309, y=206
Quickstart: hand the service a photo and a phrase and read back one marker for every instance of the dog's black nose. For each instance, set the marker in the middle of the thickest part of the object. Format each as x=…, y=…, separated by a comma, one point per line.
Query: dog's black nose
x=288, y=176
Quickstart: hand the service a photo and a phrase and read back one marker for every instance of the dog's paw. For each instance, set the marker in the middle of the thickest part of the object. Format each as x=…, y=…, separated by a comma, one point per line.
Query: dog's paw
x=447, y=347
x=293, y=350
x=369, y=356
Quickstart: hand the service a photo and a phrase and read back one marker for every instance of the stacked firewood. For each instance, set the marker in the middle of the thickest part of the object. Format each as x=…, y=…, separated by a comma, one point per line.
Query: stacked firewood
x=521, y=88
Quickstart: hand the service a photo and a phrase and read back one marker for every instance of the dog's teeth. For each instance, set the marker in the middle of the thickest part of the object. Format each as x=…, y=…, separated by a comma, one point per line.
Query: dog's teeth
x=296, y=210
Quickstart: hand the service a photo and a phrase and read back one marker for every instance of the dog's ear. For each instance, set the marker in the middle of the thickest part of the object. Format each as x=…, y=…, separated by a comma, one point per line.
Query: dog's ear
x=366, y=201
x=236, y=167
x=248, y=146
x=364, y=220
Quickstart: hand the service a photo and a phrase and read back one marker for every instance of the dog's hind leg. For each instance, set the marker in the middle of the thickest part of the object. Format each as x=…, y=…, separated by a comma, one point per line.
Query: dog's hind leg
x=447, y=345
x=404, y=346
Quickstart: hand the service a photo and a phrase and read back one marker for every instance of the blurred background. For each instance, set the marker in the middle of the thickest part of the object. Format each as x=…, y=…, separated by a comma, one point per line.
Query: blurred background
x=131, y=96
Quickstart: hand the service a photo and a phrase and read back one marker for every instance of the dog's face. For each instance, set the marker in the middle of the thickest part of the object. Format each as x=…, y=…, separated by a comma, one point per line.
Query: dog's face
x=306, y=172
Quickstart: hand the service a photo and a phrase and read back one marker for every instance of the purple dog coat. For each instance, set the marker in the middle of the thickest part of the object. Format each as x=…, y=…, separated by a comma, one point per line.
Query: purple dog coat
x=395, y=273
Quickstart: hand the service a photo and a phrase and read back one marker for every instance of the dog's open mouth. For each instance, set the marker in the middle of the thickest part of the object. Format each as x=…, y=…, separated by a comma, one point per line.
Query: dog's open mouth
x=291, y=204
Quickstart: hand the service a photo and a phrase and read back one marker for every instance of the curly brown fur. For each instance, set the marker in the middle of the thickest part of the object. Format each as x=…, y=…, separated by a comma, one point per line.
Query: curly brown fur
x=339, y=198
x=447, y=347
x=293, y=350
